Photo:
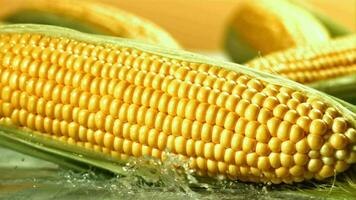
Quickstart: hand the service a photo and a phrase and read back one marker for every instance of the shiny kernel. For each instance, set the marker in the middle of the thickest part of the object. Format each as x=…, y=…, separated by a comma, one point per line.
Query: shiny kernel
x=250, y=130
x=300, y=159
x=251, y=112
x=240, y=157
x=288, y=147
x=264, y=115
x=280, y=110
x=338, y=141
x=326, y=150
x=273, y=126
x=326, y=171
x=284, y=130
x=262, y=134
x=275, y=144
x=236, y=141
x=315, y=165
x=304, y=122
x=351, y=135
x=286, y=160
x=315, y=141
x=315, y=114
x=291, y=116
x=339, y=125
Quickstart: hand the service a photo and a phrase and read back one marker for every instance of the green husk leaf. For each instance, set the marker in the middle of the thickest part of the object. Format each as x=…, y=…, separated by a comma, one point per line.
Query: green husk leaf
x=238, y=50
x=343, y=87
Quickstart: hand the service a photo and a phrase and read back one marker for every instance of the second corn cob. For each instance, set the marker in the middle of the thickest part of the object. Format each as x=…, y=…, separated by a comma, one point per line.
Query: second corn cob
x=328, y=66
x=87, y=16
x=126, y=99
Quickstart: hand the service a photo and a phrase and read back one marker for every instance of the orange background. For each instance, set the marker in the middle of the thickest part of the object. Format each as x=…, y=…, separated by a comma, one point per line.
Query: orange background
x=199, y=24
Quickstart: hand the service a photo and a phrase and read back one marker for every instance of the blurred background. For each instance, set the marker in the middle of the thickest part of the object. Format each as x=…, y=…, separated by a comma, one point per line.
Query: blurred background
x=200, y=24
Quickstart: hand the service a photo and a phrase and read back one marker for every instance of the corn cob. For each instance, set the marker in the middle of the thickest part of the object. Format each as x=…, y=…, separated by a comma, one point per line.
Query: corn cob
x=282, y=23
x=329, y=66
x=126, y=99
x=87, y=16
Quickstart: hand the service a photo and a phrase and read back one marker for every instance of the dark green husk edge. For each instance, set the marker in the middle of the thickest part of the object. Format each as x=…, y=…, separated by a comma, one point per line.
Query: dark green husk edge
x=19, y=139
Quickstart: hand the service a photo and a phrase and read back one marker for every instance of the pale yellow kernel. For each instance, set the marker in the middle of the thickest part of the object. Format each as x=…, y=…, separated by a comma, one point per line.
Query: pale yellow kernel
x=262, y=134
x=286, y=160
x=273, y=126
x=240, y=157
x=201, y=163
x=303, y=109
x=225, y=138
x=339, y=125
x=296, y=170
x=326, y=171
x=315, y=141
x=291, y=116
x=328, y=160
x=262, y=149
x=179, y=144
x=283, y=97
x=264, y=115
x=282, y=172
x=300, y=159
x=248, y=144
x=73, y=129
x=199, y=148
x=236, y=141
x=280, y=110
x=233, y=171
x=341, y=154
x=304, y=122
x=252, y=159
x=284, y=130
x=274, y=159
x=275, y=144
x=258, y=99
x=251, y=128
x=315, y=114
x=326, y=150
x=338, y=140
x=341, y=166
x=351, y=135
x=314, y=165
x=293, y=104
x=219, y=152
x=212, y=166
x=230, y=120
x=251, y=112
x=288, y=147
x=240, y=125
x=241, y=107
x=296, y=133
x=263, y=163
x=229, y=155
x=332, y=112
x=127, y=147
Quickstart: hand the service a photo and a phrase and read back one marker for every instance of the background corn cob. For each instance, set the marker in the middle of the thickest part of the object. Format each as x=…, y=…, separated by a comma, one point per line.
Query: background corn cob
x=328, y=66
x=263, y=26
x=126, y=99
x=86, y=16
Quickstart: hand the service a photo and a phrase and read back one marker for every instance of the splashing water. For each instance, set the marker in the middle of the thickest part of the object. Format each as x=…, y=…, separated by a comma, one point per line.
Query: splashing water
x=24, y=177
